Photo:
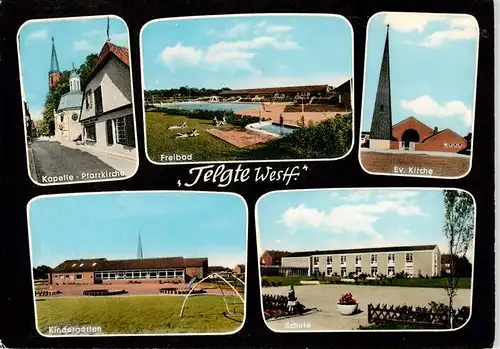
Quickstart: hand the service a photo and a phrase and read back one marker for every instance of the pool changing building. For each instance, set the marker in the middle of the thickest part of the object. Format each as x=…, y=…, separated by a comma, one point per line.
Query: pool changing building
x=147, y=270
x=422, y=260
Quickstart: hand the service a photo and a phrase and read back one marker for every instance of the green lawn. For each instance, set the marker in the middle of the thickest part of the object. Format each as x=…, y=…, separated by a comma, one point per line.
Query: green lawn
x=141, y=314
x=160, y=140
x=415, y=282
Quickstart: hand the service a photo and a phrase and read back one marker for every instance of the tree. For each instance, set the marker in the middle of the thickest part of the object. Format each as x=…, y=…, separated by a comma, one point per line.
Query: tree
x=41, y=272
x=47, y=125
x=458, y=229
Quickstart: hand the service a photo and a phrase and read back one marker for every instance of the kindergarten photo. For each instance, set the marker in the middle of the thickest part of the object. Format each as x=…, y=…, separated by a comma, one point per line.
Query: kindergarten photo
x=366, y=259
x=419, y=94
x=247, y=88
x=138, y=263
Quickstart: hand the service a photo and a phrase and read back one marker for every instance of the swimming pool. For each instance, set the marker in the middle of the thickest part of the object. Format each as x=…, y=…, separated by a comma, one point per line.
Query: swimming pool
x=235, y=107
x=272, y=128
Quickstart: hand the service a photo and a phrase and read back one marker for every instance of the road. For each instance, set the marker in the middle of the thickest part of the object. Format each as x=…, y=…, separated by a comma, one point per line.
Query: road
x=51, y=159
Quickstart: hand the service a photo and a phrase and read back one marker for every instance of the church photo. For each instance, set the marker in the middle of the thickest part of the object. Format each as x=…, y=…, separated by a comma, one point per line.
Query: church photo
x=419, y=95
x=76, y=84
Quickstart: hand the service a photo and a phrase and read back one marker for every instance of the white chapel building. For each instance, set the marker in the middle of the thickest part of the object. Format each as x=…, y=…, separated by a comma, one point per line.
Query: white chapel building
x=67, y=116
x=107, y=115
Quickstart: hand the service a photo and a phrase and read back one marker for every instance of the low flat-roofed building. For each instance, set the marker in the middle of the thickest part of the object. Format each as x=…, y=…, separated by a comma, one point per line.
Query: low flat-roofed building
x=413, y=260
x=147, y=270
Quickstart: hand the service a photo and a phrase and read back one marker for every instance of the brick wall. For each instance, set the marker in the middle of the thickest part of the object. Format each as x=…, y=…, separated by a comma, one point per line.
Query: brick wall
x=446, y=141
x=266, y=259
x=423, y=130
x=87, y=278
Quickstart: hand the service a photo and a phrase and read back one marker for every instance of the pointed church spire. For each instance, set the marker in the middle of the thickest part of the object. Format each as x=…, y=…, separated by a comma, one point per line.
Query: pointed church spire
x=139, y=248
x=381, y=127
x=54, y=63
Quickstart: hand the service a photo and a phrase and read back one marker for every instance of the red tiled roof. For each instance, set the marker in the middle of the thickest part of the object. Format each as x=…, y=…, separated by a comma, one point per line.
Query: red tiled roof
x=107, y=51
x=76, y=265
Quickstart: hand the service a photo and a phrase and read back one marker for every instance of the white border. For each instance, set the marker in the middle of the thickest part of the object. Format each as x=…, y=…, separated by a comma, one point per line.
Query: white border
x=257, y=232
x=133, y=193
x=473, y=101
x=351, y=79
x=28, y=22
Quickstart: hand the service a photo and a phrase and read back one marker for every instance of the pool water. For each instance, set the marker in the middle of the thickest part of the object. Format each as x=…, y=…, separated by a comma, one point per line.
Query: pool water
x=235, y=107
x=278, y=130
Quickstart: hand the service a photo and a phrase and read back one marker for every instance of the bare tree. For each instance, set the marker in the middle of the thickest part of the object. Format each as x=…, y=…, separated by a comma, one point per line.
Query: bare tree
x=458, y=229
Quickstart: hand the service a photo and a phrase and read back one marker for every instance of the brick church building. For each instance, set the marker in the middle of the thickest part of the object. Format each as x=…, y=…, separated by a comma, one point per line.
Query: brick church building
x=409, y=134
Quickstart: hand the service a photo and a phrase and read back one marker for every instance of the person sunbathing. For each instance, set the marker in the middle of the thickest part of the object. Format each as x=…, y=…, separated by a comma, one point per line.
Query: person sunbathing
x=180, y=126
x=192, y=133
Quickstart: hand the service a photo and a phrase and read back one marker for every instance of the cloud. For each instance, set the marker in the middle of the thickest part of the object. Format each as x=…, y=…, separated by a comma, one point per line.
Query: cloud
x=351, y=218
x=39, y=35
x=82, y=45
x=364, y=195
x=264, y=27
x=409, y=22
x=426, y=106
x=358, y=195
x=224, y=54
x=459, y=27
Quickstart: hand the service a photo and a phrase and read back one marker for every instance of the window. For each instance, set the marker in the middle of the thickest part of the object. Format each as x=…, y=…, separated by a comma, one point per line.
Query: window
x=374, y=258
x=78, y=276
x=170, y=273
x=74, y=265
x=382, y=107
x=329, y=271
x=374, y=271
x=81, y=264
x=90, y=134
x=390, y=257
x=152, y=274
x=409, y=271
x=120, y=275
x=62, y=117
x=56, y=276
x=179, y=273
x=391, y=271
x=316, y=260
x=162, y=274
x=125, y=131
x=66, y=276
x=358, y=259
x=315, y=271
x=343, y=259
x=98, y=100
x=93, y=264
x=137, y=274
x=74, y=117
x=112, y=276
x=358, y=270
x=88, y=99
x=329, y=259
x=129, y=275
x=343, y=271
x=109, y=132
x=263, y=261
x=409, y=258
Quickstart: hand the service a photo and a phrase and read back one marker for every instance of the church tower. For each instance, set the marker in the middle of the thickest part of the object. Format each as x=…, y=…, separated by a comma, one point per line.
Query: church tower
x=54, y=72
x=139, y=248
x=381, y=128
x=74, y=81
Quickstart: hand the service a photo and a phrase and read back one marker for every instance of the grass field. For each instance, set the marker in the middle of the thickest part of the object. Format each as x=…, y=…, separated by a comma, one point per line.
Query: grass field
x=142, y=314
x=160, y=140
x=415, y=282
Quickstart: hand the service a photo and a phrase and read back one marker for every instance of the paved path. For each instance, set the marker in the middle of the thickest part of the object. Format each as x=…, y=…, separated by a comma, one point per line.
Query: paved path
x=53, y=159
x=324, y=298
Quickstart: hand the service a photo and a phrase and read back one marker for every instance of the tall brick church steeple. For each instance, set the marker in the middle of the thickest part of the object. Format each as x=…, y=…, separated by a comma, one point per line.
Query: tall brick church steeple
x=54, y=72
x=381, y=128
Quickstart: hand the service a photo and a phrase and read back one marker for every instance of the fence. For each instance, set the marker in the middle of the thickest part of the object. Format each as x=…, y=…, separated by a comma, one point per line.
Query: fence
x=435, y=316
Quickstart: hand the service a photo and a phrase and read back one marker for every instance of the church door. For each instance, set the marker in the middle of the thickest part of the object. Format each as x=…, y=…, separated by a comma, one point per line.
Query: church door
x=410, y=135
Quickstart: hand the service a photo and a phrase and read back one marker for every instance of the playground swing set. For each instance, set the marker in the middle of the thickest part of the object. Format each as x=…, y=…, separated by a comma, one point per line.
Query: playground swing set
x=219, y=279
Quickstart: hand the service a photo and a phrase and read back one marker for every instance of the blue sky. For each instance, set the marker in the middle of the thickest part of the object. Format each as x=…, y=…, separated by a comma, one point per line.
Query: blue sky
x=353, y=218
x=246, y=52
x=433, y=68
x=107, y=226
x=74, y=39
